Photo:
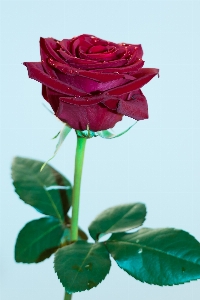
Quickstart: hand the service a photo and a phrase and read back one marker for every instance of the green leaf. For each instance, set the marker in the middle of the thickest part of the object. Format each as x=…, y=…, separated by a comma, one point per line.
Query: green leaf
x=118, y=219
x=157, y=256
x=62, y=135
x=38, y=240
x=82, y=266
x=106, y=134
x=47, y=191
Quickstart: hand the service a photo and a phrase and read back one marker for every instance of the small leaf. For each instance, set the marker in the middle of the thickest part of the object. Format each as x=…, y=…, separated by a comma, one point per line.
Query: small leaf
x=82, y=266
x=38, y=240
x=106, y=134
x=63, y=134
x=118, y=219
x=36, y=188
x=157, y=256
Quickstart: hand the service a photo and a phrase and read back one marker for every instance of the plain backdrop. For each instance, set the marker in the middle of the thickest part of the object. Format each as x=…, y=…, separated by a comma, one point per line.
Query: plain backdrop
x=157, y=162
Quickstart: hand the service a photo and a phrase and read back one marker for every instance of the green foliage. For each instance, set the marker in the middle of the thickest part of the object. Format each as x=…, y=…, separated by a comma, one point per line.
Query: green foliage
x=38, y=240
x=47, y=191
x=82, y=266
x=51, y=194
x=118, y=219
x=157, y=256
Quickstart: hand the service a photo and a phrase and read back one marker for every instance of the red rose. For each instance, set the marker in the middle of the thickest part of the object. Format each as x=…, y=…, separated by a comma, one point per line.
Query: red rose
x=92, y=82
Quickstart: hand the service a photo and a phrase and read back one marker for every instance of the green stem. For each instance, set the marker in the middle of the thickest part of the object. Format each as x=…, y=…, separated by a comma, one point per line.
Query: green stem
x=80, y=149
x=67, y=296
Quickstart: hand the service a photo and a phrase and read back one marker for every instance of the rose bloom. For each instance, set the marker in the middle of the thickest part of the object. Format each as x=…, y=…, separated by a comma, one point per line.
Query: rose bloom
x=90, y=82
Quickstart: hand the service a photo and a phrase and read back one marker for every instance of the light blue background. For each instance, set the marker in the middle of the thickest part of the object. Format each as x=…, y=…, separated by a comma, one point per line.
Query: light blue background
x=157, y=162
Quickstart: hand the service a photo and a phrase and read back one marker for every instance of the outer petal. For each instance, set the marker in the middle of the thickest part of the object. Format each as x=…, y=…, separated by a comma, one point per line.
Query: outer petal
x=86, y=101
x=142, y=79
x=35, y=71
x=89, y=85
x=95, y=116
x=51, y=47
x=136, y=108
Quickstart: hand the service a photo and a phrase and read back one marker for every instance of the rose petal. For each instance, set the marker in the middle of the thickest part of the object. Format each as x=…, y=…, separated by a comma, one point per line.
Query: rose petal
x=136, y=108
x=65, y=44
x=44, y=92
x=89, y=85
x=35, y=71
x=44, y=57
x=80, y=117
x=86, y=64
x=91, y=100
x=53, y=98
x=132, y=69
x=97, y=76
x=100, y=56
x=51, y=46
x=144, y=76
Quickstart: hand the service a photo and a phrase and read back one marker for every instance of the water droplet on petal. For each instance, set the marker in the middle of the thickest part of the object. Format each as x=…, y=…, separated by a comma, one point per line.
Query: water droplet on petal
x=116, y=72
x=140, y=251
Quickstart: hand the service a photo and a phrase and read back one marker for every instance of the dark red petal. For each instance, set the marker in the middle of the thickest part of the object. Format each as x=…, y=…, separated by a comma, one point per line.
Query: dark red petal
x=89, y=85
x=53, y=98
x=100, y=56
x=97, y=76
x=51, y=46
x=136, y=108
x=44, y=58
x=146, y=72
x=132, y=69
x=35, y=71
x=144, y=76
x=65, y=44
x=111, y=103
x=97, y=49
x=91, y=100
x=86, y=64
x=95, y=116
x=44, y=92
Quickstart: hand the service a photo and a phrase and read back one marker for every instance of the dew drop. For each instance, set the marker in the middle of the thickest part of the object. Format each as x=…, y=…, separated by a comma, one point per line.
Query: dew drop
x=88, y=267
x=137, y=241
x=116, y=72
x=183, y=269
x=140, y=251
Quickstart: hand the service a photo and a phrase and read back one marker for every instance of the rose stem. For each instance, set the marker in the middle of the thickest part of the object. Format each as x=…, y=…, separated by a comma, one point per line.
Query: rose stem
x=80, y=150
x=67, y=296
